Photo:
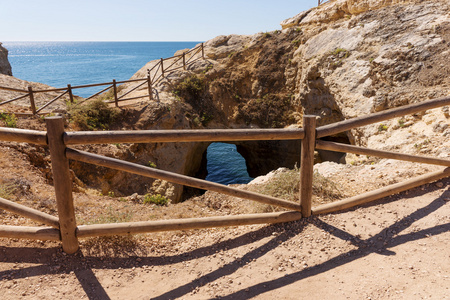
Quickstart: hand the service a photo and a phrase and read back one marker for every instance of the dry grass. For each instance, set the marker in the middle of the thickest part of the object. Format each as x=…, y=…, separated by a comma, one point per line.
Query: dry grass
x=285, y=185
x=7, y=190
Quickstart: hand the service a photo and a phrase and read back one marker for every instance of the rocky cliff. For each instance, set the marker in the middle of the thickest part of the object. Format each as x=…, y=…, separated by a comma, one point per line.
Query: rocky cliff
x=341, y=60
x=5, y=67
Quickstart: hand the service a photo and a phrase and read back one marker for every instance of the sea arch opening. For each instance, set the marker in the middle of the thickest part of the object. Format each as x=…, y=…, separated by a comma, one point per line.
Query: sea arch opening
x=225, y=165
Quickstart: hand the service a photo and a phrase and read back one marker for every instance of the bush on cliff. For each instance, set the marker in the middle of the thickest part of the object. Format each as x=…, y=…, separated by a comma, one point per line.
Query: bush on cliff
x=194, y=91
x=272, y=110
x=96, y=115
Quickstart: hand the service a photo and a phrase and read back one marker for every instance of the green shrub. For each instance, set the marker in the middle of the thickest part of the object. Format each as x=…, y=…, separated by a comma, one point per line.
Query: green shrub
x=340, y=52
x=151, y=164
x=194, y=90
x=382, y=127
x=156, y=199
x=9, y=119
x=190, y=89
x=96, y=115
x=296, y=43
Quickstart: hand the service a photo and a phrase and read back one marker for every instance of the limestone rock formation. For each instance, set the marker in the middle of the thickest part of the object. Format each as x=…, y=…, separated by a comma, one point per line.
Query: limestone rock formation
x=341, y=60
x=5, y=67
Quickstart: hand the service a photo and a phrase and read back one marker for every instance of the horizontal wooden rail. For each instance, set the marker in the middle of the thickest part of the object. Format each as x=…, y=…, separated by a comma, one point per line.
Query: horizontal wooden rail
x=91, y=85
x=86, y=86
x=26, y=232
x=23, y=136
x=13, y=89
x=31, y=213
x=15, y=99
x=332, y=146
x=159, y=136
x=50, y=90
x=84, y=231
x=175, y=178
x=196, y=49
x=381, y=193
x=131, y=80
x=342, y=126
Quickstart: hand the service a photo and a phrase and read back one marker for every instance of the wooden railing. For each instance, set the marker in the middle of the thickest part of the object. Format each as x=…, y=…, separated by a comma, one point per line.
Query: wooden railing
x=65, y=229
x=320, y=2
x=154, y=75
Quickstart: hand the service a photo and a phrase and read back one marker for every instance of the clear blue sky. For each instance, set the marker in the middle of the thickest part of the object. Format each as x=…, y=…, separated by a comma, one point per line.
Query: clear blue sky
x=140, y=20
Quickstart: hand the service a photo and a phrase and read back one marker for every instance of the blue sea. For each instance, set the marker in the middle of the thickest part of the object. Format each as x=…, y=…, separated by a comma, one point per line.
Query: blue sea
x=77, y=63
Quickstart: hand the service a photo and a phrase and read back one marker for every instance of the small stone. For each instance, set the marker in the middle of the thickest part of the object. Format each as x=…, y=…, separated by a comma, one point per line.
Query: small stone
x=439, y=184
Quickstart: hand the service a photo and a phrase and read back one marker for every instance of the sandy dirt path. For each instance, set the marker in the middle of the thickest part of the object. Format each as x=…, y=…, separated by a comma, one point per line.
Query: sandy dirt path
x=396, y=249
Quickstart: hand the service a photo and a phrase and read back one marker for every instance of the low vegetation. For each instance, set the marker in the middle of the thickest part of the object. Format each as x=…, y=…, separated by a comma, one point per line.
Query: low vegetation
x=194, y=91
x=156, y=199
x=10, y=120
x=7, y=191
x=95, y=115
x=271, y=110
x=286, y=184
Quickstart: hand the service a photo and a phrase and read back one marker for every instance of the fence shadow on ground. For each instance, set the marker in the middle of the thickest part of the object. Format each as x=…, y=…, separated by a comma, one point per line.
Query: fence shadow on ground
x=83, y=265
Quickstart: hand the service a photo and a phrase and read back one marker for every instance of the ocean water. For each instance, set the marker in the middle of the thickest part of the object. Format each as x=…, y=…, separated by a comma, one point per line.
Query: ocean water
x=77, y=63
x=226, y=165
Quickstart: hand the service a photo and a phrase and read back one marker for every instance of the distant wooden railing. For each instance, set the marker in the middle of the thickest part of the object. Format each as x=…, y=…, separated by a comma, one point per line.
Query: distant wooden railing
x=154, y=75
x=65, y=229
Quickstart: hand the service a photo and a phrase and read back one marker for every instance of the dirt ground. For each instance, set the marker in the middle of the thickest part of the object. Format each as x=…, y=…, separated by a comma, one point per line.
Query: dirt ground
x=396, y=248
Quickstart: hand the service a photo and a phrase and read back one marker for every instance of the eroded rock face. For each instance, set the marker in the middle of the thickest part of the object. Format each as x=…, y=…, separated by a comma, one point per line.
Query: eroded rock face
x=341, y=60
x=5, y=67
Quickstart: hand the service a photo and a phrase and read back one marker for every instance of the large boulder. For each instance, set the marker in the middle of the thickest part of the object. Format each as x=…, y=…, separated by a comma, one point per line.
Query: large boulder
x=5, y=67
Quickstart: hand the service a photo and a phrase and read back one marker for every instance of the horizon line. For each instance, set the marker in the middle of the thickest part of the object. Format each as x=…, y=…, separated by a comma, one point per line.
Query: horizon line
x=30, y=41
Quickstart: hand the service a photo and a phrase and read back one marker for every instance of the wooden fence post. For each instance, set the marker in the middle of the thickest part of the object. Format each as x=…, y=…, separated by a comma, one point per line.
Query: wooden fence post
x=184, y=61
x=62, y=183
x=69, y=89
x=116, y=100
x=307, y=164
x=203, y=51
x=32, y=104
x=149, y=82
x=162, y=67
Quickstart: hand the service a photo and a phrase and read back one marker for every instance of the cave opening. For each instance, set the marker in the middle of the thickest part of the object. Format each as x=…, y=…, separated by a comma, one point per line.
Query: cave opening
x=338, y=157
x=225, y=165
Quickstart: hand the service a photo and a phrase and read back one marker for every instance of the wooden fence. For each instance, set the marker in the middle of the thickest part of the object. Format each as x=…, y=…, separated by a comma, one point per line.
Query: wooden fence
x=320, y=2
x=65, y=229
x=154, y=75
